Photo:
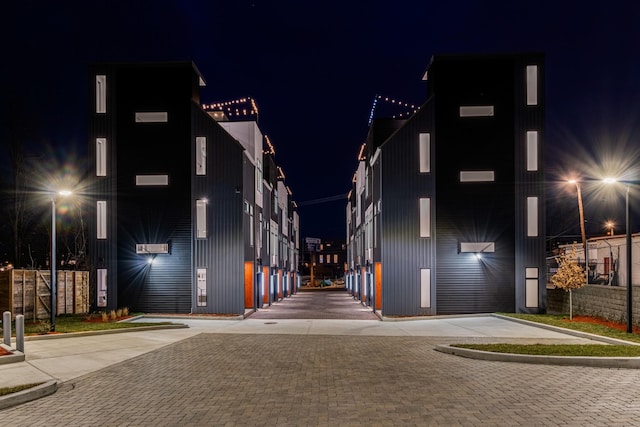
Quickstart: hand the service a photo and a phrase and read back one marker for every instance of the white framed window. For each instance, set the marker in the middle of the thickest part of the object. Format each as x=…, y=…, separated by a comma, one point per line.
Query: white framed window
x=477, y=176
x=425, y=217
x=532, y=150
x=424, y=154
x=101, y=219
x=477, y=247
x=152, y=117
x=531, y=287
x=425, y=287
x=532, y=216
x=152, y=248
x=476, y=111
x=201, y=219
x=101, y=93
x=259, y=176
x=532, y=84
x=101, y=156
x=143, y=180
x=201, y=155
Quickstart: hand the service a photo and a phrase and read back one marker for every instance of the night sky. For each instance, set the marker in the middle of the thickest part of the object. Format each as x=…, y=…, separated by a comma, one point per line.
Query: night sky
x=314, y=69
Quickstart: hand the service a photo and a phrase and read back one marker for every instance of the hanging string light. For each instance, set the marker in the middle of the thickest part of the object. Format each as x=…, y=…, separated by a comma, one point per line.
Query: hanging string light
x=241, y=107
x=270, y=149
x=409, y=108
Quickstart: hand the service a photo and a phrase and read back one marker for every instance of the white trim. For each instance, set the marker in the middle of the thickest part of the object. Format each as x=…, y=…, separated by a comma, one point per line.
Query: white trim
x=374, y=158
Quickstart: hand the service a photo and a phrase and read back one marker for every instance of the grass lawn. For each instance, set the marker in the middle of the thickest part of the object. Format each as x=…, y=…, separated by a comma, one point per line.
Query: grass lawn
x=66, y=323
x=8, y=390
x=579, y=323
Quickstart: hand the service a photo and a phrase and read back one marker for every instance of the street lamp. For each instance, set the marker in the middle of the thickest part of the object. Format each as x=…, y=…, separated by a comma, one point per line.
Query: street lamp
x=629, y=259
x=609, y=226
x=582, y=231
x=63, y=193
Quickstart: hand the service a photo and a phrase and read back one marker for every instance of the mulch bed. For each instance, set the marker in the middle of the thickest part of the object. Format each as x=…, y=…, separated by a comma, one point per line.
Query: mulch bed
x=598, y=321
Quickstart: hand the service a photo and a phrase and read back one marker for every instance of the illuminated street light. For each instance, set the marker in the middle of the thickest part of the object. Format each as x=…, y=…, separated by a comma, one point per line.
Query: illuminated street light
x=582, y=230
x=629, y=259
x=62, y=193
x=609, y=226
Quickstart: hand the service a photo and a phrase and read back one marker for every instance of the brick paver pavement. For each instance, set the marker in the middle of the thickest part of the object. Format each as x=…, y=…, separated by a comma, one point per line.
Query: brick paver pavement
x=297, y=380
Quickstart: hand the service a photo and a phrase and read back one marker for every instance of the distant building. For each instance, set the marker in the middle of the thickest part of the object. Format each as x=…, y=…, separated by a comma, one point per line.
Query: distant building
x=446, y=212
x=328, y=259
x=187, y=214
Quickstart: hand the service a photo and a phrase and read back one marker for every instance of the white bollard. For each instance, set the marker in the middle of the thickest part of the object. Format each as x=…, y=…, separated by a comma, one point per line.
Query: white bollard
x=6, y=327
x=20, y=333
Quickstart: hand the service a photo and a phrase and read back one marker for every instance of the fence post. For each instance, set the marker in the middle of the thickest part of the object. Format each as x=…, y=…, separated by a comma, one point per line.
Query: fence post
x=6, y=327
x=20, y=333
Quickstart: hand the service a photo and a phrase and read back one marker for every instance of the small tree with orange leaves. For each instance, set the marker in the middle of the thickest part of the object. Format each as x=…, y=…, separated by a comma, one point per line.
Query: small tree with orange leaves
x=569, y=276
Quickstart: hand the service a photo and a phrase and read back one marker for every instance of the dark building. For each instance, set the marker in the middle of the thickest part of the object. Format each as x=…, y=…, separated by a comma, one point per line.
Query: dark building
x=172, y=223
x=446, y=212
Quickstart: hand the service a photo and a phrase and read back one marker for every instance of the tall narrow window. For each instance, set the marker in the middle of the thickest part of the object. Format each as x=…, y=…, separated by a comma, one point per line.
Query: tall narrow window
x=201, y=219
x=532, y=85
x=425, y=217
x=201, y=296
x=101, y=94
x=532, y=216
x=101, y=274
x=425, y=287
x=201, y=155
x=259, y=176
x=532, y=150
x=101, y=219
x=531, y=287
x=101, y=156
x=424, y=152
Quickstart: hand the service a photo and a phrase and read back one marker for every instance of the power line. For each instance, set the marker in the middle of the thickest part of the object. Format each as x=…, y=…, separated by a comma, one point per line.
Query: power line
x=323, y=200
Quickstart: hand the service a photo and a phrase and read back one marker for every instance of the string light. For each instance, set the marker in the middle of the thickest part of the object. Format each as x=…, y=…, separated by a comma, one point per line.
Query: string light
x=270, y=149
x=234, y=107
x=412, y=109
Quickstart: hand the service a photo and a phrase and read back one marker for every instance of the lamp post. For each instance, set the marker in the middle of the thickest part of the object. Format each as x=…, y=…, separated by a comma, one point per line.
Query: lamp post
x=582, y=230
x=629, y=254
x=52, y=327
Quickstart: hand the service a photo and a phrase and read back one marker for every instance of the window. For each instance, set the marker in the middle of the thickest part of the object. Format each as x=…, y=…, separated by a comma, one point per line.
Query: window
x=532, y=85
x=101, y=156
x=152, y=248
x=532, y=216
x=477, y=176
x=259, y=176
x=142, y=180
x=153, y=117
x=101, y=274
x=201, y=155
x=425, y=217
x=476, y=111
x=335, y=258
x=532, y=150
x=201, y=294
x=101, y=94
x=201, y=219
x=531, y=287
x=425, y=287
x=320, y=259
x=101, y=220
x=424, y=152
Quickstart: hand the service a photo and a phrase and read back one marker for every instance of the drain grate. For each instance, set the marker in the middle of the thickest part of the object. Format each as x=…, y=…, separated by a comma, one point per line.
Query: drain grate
x=270, y=323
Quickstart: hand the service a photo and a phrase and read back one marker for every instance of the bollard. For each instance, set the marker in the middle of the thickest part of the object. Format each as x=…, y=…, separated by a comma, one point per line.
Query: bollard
x=6, y=327
x=20, y=333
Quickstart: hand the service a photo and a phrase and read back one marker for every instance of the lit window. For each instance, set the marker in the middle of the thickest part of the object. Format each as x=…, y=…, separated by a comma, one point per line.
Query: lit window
x=477, y=247
x=532, y=85
x=152, y=248
x=101, y=274
x=201, y=155
x=531, y=287
x=335, y=258
x=424, y=152
x=532, y=216
x=101, y=156
x=201, y=219
x=201, y=295
x=142, y=180
x=425, y=287
x=532, y=150
x=425, y=217
x=101, y=220
x=101, y=94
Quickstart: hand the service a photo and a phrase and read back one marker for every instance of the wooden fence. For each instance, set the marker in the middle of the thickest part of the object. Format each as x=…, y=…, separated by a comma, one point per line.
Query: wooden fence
x=28, y=292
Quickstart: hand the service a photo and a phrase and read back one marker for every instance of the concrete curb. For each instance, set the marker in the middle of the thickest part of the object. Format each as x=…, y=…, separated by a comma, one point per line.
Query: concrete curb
x=28, y=395
x=103, y=332
x=16, y=356
x=440, y=316
x=596, y=362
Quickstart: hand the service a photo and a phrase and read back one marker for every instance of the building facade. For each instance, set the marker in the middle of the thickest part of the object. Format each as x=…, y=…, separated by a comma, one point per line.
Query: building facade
x=176, y=197
x=446, y=211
